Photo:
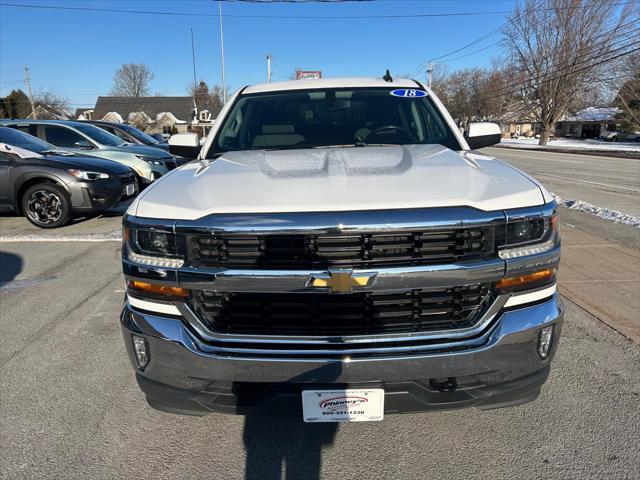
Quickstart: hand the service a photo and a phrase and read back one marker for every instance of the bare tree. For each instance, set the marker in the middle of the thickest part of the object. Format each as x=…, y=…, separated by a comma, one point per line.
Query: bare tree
x=627, y=98
x=558, y=49
x=466, y=93
x=206, y=98
x=132, y=80
x=53, y=106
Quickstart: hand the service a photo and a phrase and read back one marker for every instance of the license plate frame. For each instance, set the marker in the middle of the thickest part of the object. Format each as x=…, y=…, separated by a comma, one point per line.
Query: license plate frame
x=343, y=405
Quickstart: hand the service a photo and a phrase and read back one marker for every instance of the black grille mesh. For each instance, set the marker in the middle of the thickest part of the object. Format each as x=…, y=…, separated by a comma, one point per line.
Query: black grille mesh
x=346, y=250
x=353, y=314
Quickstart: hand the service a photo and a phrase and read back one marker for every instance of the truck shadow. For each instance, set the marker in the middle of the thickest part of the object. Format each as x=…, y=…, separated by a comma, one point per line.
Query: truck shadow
x=274, y=443
x=10, y=267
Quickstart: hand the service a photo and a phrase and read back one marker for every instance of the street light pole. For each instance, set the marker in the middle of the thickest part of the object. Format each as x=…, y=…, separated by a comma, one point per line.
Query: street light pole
x=27, y=80
x=224, y=85
x=430, y=72
x=268, y=67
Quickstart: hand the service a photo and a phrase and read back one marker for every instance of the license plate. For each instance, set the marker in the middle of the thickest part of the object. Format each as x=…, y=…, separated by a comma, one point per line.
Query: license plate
x=357, y=405
x=130, y=189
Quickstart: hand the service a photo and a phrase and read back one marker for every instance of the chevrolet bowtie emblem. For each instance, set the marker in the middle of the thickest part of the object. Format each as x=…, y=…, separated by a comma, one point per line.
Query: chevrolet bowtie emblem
x=341, y=281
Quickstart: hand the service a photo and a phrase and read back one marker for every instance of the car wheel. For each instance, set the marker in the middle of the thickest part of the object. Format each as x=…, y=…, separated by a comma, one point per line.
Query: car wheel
x=46, y=205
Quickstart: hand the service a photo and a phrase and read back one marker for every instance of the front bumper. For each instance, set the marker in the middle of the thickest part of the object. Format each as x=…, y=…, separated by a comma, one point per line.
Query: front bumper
x=183, y=378
x=97, y=195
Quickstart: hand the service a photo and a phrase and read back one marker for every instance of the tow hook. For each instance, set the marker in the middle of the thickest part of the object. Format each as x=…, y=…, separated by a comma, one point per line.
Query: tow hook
x=444, y=384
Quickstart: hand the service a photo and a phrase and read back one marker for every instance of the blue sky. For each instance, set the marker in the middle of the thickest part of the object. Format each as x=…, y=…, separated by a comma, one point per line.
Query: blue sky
x=75, y=53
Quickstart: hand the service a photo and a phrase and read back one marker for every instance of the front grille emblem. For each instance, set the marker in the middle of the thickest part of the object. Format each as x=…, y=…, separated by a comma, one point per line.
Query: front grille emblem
x=341, y=281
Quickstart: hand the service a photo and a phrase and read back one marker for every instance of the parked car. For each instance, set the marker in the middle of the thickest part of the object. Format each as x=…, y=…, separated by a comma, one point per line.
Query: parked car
x=162, y=138
x=341, y=253
x=50, y=187
x=609, y=136
x=620, y=136
x=628, y=137
x=130, y=134
x=149, y=163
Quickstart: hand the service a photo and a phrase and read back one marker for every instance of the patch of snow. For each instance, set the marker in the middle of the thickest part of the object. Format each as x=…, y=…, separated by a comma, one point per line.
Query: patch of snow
x=571, y=144
x=612, y=215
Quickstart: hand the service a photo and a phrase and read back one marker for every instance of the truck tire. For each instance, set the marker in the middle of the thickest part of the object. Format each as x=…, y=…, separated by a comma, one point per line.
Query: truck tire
x=46, y=205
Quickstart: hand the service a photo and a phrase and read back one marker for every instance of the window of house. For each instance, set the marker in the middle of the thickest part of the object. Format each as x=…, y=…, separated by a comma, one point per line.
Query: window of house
x=167, y=129
x=61, y=136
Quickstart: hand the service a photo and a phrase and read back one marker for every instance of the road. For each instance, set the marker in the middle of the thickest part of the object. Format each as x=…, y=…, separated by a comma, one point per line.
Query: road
x=609, y=182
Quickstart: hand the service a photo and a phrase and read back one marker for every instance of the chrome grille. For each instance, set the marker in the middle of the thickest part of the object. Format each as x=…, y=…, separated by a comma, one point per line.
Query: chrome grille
x=363, y=250
x=353, y=314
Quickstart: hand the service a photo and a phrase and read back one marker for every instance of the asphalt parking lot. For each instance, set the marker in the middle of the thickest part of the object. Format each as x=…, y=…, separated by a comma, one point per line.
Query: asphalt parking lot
x=71, y=408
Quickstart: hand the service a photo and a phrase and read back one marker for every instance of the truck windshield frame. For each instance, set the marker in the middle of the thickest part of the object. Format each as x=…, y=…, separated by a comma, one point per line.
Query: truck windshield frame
x=330, y=117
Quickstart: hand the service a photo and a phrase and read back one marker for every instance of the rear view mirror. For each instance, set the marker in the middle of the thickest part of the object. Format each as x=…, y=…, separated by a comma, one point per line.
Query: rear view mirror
x=482, y=134
x=185, y=145
x=86, y=144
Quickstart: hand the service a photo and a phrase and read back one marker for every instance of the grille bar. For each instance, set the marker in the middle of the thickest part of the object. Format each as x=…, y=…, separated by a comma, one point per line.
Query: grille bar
x=355, y=314
x=357, y=251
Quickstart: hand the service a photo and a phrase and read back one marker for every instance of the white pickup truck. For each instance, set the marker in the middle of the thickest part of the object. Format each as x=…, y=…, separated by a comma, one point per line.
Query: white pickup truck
x=339, y=252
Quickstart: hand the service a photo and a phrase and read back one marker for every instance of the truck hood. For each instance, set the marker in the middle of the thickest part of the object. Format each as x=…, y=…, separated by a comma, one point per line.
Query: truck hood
x=337, y=179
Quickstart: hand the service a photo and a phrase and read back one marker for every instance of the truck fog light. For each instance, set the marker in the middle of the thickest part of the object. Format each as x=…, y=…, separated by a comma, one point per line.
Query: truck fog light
x=545, y=336
x=140, y=347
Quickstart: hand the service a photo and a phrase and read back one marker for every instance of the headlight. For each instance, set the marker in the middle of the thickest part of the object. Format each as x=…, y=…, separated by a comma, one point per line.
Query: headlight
x=85, y=175
x=157, y=243
x=151, y=160
x=153, y=247
x=529, y=236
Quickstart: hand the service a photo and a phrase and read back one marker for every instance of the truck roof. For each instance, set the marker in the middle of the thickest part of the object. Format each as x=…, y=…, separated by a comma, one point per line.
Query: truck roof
x=354, y=82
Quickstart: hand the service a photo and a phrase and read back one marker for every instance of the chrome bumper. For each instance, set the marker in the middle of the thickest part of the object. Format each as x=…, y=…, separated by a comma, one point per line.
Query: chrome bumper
x=178, y=360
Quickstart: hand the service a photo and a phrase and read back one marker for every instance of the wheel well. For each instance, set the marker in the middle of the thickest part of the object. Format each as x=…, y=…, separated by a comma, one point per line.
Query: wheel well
x=30, y=183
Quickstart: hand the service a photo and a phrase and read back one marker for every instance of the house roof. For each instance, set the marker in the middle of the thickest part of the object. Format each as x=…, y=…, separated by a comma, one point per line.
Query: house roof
x=594, y=114
x=180, y=107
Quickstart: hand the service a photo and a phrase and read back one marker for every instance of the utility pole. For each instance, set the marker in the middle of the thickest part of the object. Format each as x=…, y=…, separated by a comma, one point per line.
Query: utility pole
x=27, y=80
x=224, y=85
x=193, y=60
x=269, y=67
x=430, y=72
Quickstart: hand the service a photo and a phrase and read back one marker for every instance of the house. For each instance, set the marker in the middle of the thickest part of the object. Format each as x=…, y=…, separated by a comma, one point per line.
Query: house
x=514, y=124
x=589, y=123
x=43, y=113
x=151, y=114
x=83, y=114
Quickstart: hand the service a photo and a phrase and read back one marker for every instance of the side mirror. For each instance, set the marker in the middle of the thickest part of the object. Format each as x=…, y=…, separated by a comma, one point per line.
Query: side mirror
x=86, y=144
x=185, y=145
x=482, y=134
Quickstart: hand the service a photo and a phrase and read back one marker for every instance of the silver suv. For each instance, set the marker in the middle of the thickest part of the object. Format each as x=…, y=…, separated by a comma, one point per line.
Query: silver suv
x=149, y=163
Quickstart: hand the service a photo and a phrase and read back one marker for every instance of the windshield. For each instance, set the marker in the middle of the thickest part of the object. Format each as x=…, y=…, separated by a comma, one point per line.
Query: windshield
x=17, y=138
x=139, y=134
x=332, y=117
x=99, y=135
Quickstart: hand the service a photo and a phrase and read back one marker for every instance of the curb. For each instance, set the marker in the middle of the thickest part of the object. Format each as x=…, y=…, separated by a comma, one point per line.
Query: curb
x=578, y=151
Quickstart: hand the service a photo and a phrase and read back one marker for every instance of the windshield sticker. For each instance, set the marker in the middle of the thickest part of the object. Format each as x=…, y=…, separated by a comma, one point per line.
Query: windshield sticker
x=405, y=93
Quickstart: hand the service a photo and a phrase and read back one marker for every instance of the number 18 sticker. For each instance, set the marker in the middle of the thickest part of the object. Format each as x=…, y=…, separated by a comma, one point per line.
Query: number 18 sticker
x=406, y=93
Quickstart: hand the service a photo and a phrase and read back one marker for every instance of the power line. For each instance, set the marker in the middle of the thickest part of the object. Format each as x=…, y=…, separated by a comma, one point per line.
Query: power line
x=505, y=90
x=619, y=27
x=493, y=32
x=268, y=16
